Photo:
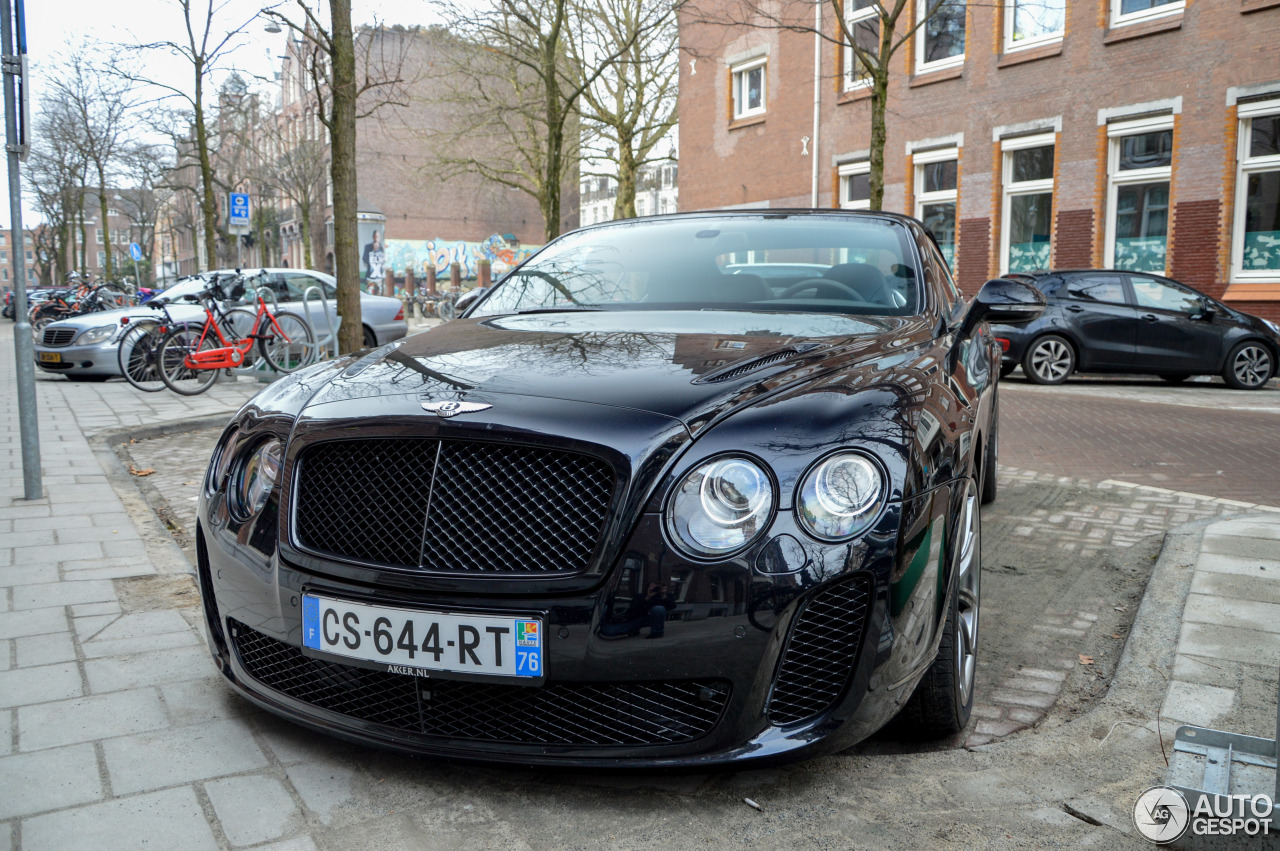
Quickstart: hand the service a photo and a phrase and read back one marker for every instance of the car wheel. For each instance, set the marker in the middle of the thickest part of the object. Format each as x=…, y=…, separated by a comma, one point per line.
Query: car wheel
x=1249, y=366
x=370, y=341
x=1049, y=360
x=942, y=702
x=1176, y=379
x=990, y=457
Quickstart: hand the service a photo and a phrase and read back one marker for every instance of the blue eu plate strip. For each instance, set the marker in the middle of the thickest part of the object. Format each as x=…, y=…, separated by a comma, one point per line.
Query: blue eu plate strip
x=310, y=622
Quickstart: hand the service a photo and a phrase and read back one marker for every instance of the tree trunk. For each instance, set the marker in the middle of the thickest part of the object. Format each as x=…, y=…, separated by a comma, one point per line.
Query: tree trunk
x=104, y=230
x=84, y=238
x=208, y=205
x=342, y=168
x=879, y=101
x=624, y=206
x=304, y=211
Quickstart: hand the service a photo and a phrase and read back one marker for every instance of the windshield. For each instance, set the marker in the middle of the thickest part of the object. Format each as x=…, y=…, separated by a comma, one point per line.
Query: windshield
x=765, y=263
x=185, y=290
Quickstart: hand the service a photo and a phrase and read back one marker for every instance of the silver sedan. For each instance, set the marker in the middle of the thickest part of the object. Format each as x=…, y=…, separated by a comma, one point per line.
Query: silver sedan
x=84, y=347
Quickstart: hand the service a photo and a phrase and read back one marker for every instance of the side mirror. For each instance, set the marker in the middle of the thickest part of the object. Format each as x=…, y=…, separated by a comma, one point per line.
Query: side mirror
x=1203, y=310
x=1005, y=301
x=471, y=297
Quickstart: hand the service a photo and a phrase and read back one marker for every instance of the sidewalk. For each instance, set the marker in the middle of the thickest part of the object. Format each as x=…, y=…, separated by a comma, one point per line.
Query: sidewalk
x=116, y=732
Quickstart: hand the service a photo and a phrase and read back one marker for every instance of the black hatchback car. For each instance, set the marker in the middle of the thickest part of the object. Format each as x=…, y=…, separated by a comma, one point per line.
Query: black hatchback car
x=686, y=490
x=1132, y=322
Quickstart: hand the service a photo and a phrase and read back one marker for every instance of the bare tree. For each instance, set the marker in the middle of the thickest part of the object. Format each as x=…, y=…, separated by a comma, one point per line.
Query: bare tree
x=292, y=161
x=342, y=71
x=518, y=83
x=143, y=168
x=869, y=32
x=204, y=45
x=631, y=107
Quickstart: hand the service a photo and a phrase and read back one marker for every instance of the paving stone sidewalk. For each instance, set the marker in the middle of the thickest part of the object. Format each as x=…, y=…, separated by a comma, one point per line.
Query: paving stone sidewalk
x=115, y=731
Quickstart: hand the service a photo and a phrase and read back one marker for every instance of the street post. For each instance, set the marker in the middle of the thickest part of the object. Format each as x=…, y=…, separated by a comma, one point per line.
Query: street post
x=13, y=63
x=135, y=251
x=238, y=217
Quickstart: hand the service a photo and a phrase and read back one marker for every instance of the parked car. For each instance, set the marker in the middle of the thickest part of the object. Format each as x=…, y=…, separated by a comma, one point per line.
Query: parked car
x=1134, y=322
x=84, y=347
x=631, y=510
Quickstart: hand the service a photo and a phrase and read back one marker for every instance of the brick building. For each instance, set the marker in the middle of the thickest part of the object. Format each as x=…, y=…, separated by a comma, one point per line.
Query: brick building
x=1138, y=134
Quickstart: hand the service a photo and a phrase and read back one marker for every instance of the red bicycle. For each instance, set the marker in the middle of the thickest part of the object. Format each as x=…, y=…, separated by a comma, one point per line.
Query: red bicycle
x=191, y=356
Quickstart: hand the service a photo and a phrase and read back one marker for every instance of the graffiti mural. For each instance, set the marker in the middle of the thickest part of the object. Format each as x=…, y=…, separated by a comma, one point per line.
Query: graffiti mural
x=417, y=254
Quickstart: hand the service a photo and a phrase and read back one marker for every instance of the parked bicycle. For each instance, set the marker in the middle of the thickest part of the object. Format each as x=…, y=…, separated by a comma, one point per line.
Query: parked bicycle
x=191, y=356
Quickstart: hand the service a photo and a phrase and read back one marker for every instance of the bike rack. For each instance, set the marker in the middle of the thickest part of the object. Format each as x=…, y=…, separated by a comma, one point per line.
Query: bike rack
x=260, y=370
x=332, y=339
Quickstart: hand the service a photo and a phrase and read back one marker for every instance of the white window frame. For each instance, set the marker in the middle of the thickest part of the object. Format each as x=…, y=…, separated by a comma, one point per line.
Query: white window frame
x=1010, y=6
x=923, y=67
x=737, y=77
x=845, y=172
x=851, y=82
x=1115, y=179
x=921, y=159
x=1119, y=19
x=1246, y=165
x=1010, y=189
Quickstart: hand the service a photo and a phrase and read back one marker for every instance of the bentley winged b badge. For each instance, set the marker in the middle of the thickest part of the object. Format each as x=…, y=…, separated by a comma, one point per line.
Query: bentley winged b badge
x=453, y=408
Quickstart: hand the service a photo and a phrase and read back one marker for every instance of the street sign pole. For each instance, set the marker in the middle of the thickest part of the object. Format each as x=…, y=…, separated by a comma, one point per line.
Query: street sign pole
x=11, y=63
x=135, y=252
x=238, y=220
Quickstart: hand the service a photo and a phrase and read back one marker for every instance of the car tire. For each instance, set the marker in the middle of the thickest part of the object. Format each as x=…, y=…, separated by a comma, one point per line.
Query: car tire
x=1176, y=379
x=1049, y=360
x=1249, y=366
x=943, y=701
x=370, y=341
x=991, y=456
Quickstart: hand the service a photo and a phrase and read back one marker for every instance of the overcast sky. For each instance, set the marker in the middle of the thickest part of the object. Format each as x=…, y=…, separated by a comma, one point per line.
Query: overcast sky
x=55, y=26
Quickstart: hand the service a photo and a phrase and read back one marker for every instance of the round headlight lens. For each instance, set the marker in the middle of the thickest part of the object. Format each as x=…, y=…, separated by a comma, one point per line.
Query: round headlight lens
x=841, y=496
x=257, y=476
x=721, y=506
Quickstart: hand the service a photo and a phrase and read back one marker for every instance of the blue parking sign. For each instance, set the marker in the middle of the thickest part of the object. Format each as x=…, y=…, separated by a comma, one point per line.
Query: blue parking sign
x=239, y=212
x=135, y=251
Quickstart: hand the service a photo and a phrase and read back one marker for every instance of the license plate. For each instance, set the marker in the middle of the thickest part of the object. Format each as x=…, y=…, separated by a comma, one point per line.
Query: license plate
x=416, y=642
x=51, y=357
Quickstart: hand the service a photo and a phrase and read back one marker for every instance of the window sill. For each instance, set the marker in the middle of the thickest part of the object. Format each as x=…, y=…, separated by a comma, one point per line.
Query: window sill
x=1253, y=291
x=1247, y=6
x=1124, y=32
x=749, y=121
x=927, y=77
x=852, y=95
x=1031, y=54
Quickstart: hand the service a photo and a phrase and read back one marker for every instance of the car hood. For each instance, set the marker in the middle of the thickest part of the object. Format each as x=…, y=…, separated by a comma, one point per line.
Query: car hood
x=687, y=365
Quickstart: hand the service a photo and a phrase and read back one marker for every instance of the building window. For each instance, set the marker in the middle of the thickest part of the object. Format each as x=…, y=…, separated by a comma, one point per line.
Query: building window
x=1140, y=166
x=1028, y=203
x=640, y=206
x=864, y=22
x=855, y=186
x=1256, y=249
x=1129, y=11
x=940, y=42
x=1032, y=22
x=749, y=88
x=936, y=196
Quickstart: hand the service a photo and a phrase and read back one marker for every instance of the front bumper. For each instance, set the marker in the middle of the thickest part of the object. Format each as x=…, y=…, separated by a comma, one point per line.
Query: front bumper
x=715, y=636
x=98, y=359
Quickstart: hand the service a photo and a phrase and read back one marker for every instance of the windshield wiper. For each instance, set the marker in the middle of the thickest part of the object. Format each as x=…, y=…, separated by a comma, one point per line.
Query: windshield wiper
x=568, y=308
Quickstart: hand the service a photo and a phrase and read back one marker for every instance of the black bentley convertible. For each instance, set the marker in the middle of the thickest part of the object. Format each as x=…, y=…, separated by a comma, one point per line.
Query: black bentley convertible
x=686, y=490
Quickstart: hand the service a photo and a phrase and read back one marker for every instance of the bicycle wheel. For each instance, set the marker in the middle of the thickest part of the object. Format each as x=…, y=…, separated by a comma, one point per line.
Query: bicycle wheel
x=139, y=345
x=174, y=348
x=445, y=309
x=288, y=343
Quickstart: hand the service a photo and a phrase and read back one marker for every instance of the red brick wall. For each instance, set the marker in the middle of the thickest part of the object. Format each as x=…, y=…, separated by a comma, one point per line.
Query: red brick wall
x=1074, y=246
x=972, y=252
x=1195, y=253
x=1265, y=309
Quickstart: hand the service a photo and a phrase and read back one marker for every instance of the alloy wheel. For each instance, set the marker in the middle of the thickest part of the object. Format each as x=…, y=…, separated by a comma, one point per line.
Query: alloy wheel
x=1051, y=360
x=1252, y=366
x=969, y=590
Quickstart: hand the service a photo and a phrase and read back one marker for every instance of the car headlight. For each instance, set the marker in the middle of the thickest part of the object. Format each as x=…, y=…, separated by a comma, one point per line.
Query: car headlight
x=841, y=496
x=721, y=506
x=254, y=479
x=97, y=335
